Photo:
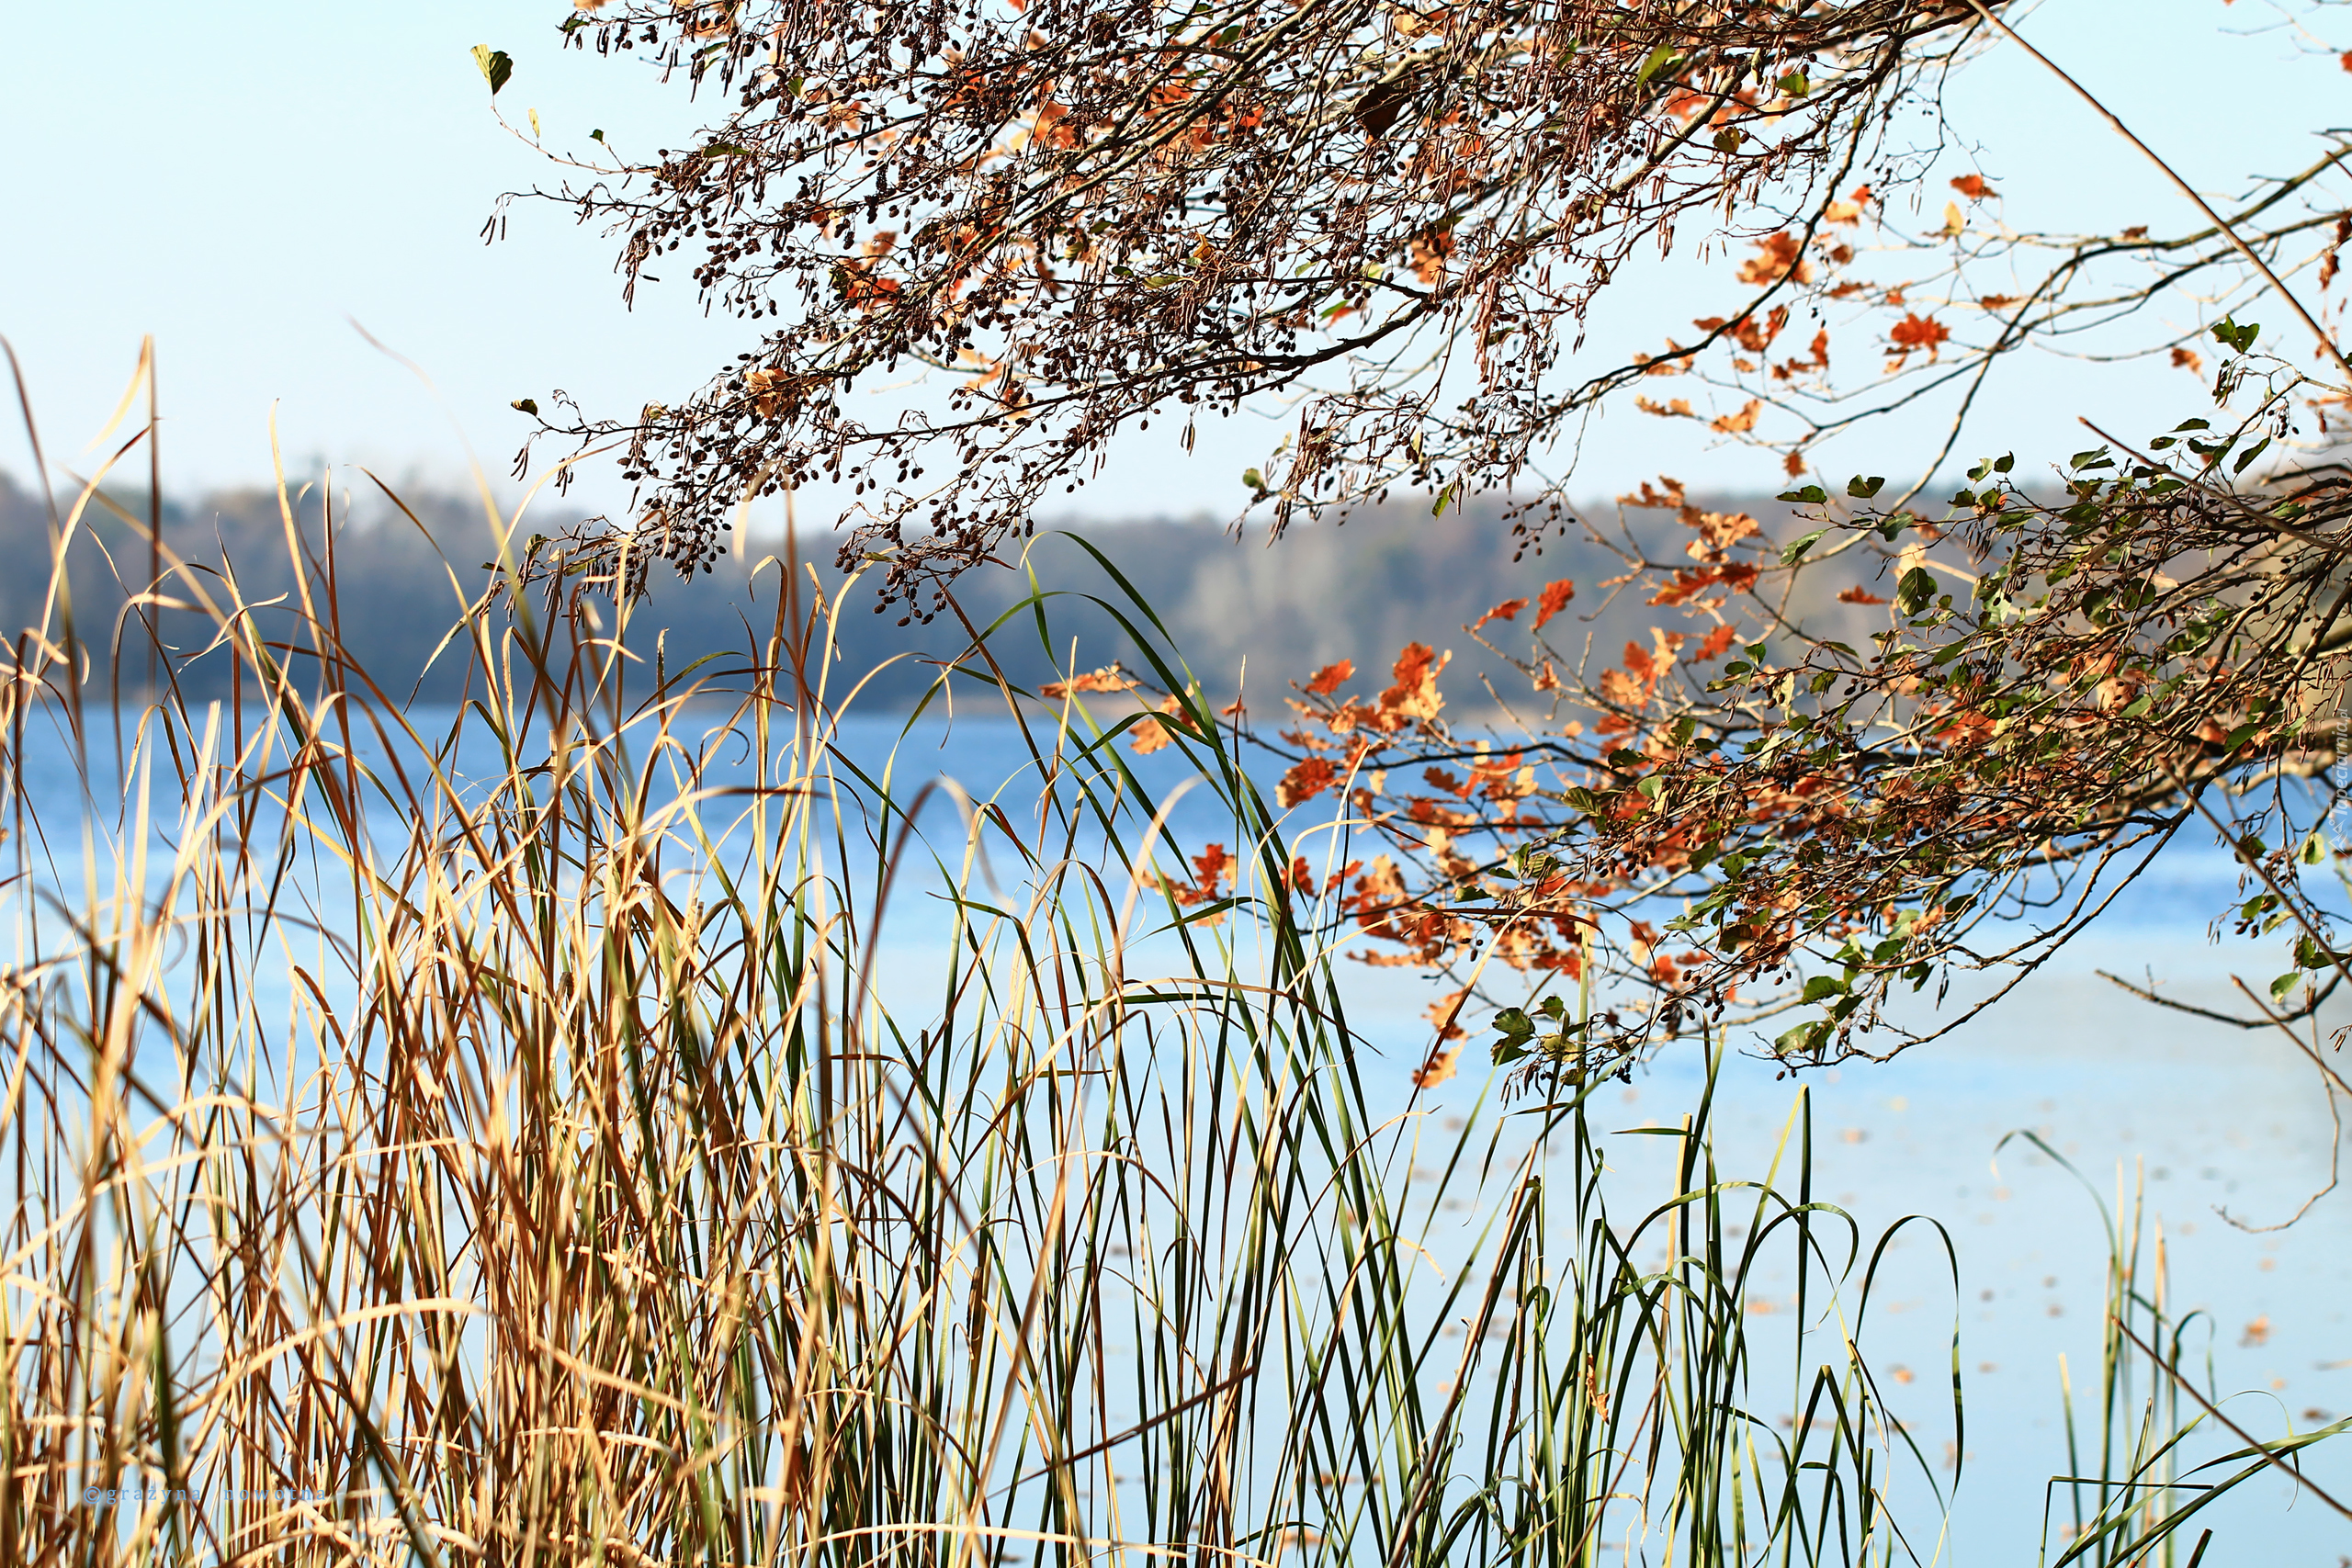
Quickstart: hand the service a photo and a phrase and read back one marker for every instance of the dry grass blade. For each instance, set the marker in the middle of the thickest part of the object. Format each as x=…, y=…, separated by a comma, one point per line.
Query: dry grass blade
x=504, y=1135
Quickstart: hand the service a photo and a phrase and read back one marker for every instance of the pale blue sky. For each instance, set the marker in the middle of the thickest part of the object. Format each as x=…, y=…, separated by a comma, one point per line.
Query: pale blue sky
x=244, y=179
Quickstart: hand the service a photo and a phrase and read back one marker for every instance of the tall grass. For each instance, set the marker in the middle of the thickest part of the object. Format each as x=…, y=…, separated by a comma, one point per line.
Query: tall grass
x=620, y=1120
x=2135, y=1491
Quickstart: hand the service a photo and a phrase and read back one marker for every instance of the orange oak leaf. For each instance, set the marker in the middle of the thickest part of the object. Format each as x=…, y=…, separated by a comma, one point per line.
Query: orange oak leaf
x=1330, y=677
x=1110, y=678
x=1716, y=642
x=1778, y=256
x=1507, y=611
x=1415, y=694
x=1916, y=330
x=1431, y=247
x=1211, y=868
x=1437, y=778
x=1718, y=531
x=1745, y=420
x=1974, y=188
x=1691, y=582
x=1444, y=1015
x=1437, y=1070
x=1150, y=735
x=1555, y=600
x=1305, y=780
x=1674, y=361
x=1859, y=595
x=764, y=384
x=1849, y=212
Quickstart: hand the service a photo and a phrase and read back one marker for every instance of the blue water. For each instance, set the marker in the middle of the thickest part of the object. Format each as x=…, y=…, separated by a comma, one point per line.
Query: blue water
x=2209, y=1123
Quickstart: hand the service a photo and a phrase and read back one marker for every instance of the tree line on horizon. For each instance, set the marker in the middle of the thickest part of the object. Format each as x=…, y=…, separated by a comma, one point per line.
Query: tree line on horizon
x=1247, y=616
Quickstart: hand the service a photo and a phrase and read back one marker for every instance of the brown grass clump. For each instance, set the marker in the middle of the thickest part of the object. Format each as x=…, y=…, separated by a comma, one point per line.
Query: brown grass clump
x=511, y=1134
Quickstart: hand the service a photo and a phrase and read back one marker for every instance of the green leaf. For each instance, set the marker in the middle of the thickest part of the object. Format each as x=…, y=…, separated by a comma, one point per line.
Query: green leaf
x=2239, y=338
x=1915, y=589
x=2284, y=984
x=525, y=405
x=726, y=150
x=496, y=65
x=1803, y=1037
x=1823, y=986
x=1793, y=84
x=1795, y=551
x=1662, y=58
x=1862, y=488
x=1810, y=495
x=1252, y=479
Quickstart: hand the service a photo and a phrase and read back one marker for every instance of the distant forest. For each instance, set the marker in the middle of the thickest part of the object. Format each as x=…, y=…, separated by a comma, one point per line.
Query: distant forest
x=1321, y=594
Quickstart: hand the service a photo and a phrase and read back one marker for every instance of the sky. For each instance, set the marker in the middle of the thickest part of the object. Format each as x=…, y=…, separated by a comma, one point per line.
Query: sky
x=256, y=182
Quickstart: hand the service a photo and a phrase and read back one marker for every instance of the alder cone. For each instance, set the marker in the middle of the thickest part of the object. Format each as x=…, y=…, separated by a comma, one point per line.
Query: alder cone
x=1082, y=214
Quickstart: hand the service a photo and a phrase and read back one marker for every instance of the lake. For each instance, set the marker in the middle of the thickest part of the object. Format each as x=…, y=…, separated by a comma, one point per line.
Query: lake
x=2202, y=1123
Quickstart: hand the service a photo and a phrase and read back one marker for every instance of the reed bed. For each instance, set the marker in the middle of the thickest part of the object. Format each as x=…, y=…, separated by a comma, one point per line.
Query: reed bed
x=2135, y=1491
x=617, y=1120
